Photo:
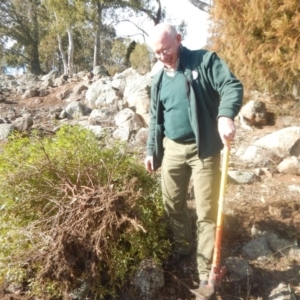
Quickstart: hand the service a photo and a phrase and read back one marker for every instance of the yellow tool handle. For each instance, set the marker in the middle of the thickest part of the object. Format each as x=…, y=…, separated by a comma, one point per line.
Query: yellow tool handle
x=223, y=183
x=217, y=251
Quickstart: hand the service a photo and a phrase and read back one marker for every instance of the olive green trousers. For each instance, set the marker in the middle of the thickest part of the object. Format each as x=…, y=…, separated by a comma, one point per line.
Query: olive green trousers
x=180, y=164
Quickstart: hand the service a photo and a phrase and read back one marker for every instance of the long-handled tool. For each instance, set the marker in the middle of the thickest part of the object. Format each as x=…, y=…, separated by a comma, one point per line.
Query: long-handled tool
x=217, y=272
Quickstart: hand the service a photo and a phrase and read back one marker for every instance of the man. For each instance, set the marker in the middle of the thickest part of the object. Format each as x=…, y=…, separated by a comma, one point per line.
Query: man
x=194, y=100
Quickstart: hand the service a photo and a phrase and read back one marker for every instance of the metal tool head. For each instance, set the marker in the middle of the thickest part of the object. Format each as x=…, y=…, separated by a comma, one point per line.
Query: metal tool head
x=204, y=292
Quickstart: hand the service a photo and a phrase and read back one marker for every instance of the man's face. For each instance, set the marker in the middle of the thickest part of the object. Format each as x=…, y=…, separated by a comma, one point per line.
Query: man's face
x=166, y=49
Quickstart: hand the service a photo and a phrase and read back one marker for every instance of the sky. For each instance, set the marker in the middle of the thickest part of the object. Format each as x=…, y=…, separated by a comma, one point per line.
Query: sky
x=177, y=10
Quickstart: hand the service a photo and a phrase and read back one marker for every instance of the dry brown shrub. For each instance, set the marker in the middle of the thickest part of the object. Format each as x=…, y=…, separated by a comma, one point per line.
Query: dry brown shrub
x=84, y=230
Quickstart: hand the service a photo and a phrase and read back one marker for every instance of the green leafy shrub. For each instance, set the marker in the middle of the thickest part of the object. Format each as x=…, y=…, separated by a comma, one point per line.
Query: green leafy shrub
x=139, y=58
x=74, y=211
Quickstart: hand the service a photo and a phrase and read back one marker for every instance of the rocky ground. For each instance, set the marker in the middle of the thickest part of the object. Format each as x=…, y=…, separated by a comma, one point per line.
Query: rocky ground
x=265, y=205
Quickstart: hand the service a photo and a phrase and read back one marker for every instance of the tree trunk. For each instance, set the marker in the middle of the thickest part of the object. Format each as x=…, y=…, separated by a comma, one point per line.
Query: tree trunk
x=158, y=16
x=62, y=54
x=35, y=67
x=155, y=17
x=97, y=37
x=202, y=5
x=70, y=52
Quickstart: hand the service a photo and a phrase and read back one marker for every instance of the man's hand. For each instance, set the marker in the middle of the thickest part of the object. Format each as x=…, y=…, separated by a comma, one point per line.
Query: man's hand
x=226, y=129
x=149, y=163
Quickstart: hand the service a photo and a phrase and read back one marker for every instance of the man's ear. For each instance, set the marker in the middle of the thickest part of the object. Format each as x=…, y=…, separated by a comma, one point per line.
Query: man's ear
x=178, y=38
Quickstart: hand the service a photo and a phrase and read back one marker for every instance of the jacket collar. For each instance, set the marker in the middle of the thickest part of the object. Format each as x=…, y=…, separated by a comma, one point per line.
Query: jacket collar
x=186, y=63
x=157, y=77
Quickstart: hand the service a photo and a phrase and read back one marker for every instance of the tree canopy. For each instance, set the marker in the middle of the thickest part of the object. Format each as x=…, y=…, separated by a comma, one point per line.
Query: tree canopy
x=259, y=39
x=48, y=33
x=21, y=21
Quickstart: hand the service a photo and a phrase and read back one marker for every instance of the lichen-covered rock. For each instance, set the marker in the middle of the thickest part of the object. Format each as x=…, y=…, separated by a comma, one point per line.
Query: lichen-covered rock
x=149, y=278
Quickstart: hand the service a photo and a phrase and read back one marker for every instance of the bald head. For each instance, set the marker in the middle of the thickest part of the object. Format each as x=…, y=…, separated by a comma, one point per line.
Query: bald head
x=162, y=30
x=165, y=42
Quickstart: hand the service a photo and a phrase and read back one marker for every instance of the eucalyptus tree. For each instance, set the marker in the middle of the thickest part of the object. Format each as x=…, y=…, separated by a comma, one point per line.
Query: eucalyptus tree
x=67, y=15
x=98, y=12
x=113, y=11
x=145, y=10
x=20, y=22
x=2, y=58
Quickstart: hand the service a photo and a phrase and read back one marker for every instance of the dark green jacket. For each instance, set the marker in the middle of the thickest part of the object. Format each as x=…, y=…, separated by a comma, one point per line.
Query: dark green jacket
x=212, y=90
